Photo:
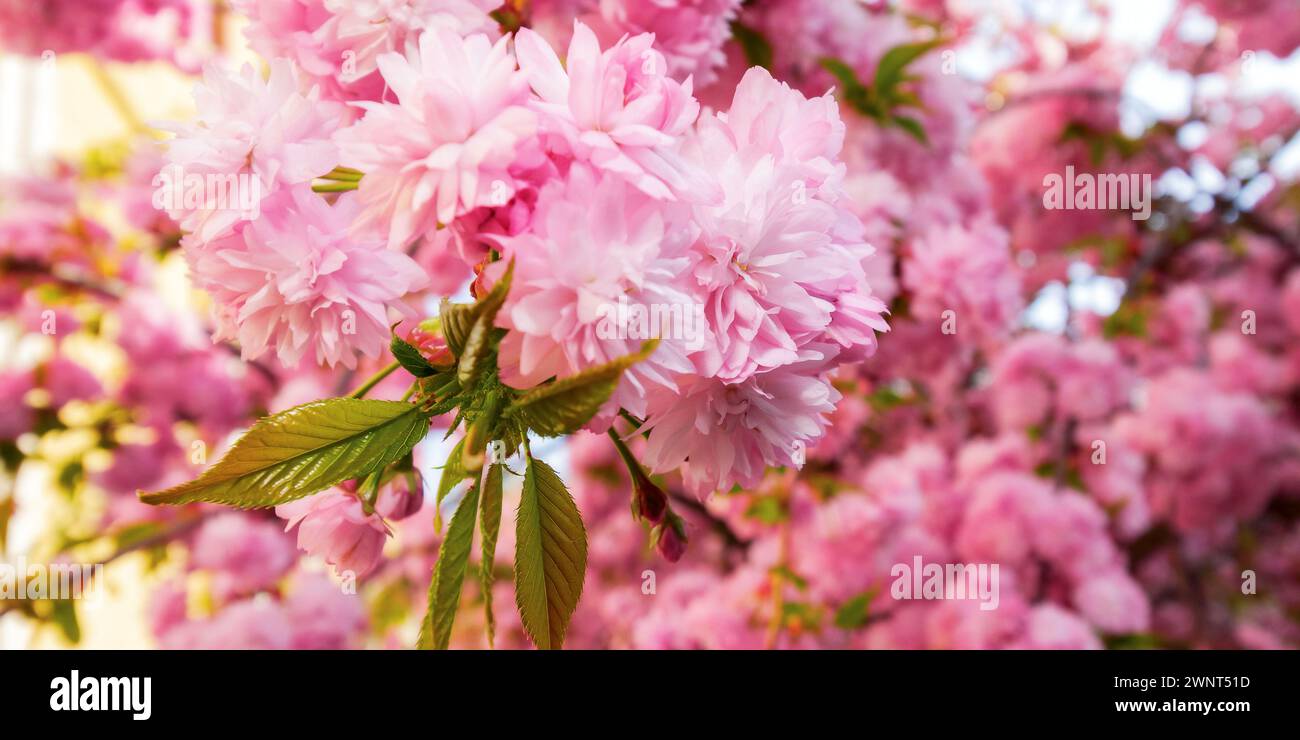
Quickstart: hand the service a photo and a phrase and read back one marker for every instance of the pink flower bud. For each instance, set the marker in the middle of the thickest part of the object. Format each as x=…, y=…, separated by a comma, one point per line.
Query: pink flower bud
x=670, y=538
x=398, y=500
x=432, y=344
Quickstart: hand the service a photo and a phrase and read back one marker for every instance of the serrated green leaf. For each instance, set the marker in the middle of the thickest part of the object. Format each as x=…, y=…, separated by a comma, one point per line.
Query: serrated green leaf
x=477, y=345
x=563, y=406
x=489, y=528
x=449, y=575
x=458, y=319
x=550, y=556
x=410, y=358
x=889, y=72
x=453, y=472
x=306, y=449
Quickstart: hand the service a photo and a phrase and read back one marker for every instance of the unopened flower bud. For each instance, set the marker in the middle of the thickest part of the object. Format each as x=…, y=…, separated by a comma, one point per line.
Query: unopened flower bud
x=428, y=339
x=649, y=502
x=670, y=539
x=398, y=500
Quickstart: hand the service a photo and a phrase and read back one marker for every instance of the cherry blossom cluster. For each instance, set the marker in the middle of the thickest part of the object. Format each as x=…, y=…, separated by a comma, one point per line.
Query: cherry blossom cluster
x=600, y=179
x=1103, y=407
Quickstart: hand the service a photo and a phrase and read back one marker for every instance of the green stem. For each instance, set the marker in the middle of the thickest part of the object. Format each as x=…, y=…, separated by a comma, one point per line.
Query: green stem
x=632, y=465
x=375, y=380
x=368, y=492
x=635, y=422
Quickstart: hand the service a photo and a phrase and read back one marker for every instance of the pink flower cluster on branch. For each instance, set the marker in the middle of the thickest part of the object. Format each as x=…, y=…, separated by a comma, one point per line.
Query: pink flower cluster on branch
x=599, y=178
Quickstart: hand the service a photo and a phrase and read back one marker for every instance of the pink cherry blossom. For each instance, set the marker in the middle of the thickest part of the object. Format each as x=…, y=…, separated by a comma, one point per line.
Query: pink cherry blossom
x=599, y=251
x=616, y=109
x=334, y=526
x=724, y=434
x=262, y=136
x=324, y=615
x=299, y=282
x=246, y=555
x=448, y=145
x=689, y=33
x=338, y=42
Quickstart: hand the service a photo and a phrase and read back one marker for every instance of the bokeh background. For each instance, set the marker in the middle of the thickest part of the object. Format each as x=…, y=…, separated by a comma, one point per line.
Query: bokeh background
x=1172, y=341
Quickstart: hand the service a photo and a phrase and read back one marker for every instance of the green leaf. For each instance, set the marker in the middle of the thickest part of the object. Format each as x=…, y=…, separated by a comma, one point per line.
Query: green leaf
x=550, y=556
x=889, y=73
x=854, y=613
x=453, y=472
x=410, y=358
x=854, y=94
x=442, y=391
x=563, y=406
x=757, y=49
x=458, y=319
x=489, y=527
x=306, y=449
x=477, y=346
x=449, y=575
x=913, y=127
x=841, y=72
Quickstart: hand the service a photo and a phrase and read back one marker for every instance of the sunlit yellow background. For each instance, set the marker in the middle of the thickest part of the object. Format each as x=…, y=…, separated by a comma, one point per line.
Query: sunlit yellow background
x=78, y=114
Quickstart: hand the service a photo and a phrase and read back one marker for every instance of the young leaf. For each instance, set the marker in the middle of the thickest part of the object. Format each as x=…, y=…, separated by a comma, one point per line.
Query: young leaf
x=453, y=472
x=449, y=575
x=489, y=527
x=306, y=449
x=410, y=358
x=562, y=407
x=458, y=319
x=889, y=73
x=470, y=364
x=550, y=556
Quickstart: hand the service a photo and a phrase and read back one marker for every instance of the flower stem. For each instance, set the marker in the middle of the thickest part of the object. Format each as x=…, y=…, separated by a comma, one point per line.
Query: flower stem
x=625, y=453
x=635, y=422
x=374, y=380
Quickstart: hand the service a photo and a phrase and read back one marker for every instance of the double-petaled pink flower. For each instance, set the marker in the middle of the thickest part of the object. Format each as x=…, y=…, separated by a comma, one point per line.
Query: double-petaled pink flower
x=300, y=281
x=617, y=109
x=449, y=144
